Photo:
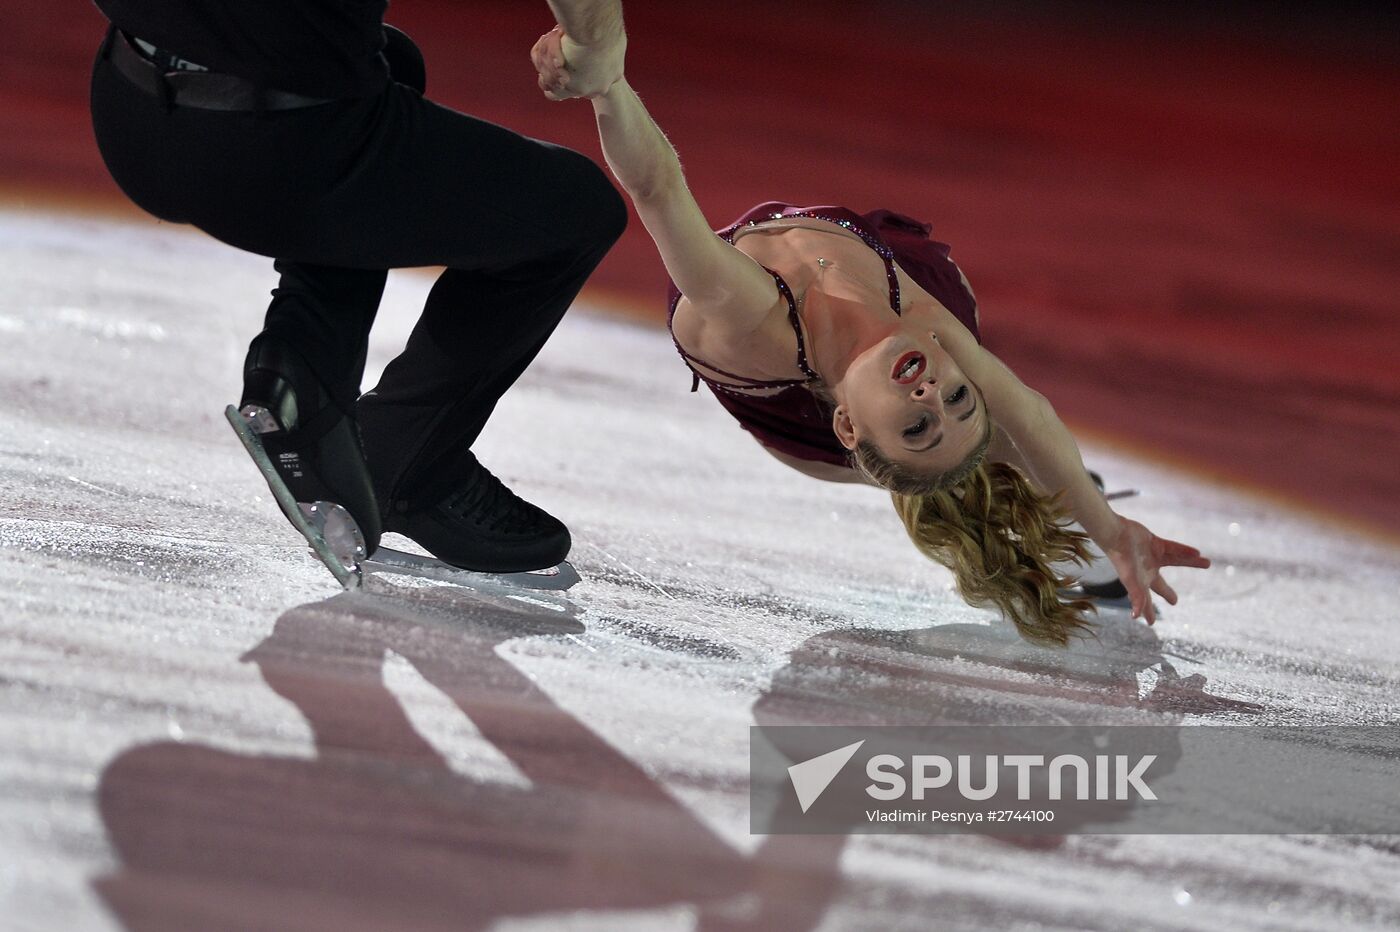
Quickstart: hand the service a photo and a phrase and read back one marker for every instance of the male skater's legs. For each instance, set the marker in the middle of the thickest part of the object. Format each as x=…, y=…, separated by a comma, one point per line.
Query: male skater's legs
x=340, y=191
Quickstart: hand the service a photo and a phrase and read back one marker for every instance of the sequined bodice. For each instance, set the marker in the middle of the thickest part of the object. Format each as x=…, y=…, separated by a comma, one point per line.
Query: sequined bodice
x=782, y=414
x=841, y=217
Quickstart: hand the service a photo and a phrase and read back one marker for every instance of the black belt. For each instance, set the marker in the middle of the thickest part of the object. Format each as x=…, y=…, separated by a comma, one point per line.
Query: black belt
x=202, y=90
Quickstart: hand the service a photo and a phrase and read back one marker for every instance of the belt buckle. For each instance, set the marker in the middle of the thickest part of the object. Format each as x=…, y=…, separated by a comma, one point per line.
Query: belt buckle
x=164, y=59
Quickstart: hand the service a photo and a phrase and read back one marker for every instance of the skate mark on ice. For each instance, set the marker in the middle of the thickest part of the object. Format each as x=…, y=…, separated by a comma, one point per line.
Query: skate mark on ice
x=655, y=636
x=631, y=569
x=98, y=488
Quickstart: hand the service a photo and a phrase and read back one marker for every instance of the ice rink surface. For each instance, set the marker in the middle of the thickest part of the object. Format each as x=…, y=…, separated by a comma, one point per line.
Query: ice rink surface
x=197, y=731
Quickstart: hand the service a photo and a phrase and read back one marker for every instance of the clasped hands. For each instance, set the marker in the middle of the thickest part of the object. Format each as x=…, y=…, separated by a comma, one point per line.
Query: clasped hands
x=569, y=69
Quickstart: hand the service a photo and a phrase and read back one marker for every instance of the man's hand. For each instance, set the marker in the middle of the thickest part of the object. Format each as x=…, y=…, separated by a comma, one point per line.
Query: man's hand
x=568, y=69
x=1139, y=556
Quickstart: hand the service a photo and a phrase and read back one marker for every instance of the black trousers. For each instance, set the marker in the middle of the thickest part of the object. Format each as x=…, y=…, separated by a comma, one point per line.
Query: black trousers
x=340, y=192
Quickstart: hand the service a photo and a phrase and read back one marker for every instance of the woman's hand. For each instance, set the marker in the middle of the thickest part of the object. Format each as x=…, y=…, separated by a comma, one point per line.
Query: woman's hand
x=569, y=69
x=1139, y=556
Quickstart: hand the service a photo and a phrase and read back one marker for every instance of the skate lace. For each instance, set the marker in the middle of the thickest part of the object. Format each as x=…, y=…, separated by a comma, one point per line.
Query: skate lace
x=486, y=502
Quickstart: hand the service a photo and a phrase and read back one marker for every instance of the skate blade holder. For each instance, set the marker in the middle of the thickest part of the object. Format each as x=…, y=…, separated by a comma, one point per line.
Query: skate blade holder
x=330, y=532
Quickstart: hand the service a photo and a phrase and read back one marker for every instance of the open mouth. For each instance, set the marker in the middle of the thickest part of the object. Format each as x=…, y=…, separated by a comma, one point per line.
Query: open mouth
x=908, y=367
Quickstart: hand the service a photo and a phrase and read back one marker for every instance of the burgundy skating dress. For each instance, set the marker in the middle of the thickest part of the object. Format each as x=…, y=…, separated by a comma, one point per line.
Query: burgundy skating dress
x=793, y=420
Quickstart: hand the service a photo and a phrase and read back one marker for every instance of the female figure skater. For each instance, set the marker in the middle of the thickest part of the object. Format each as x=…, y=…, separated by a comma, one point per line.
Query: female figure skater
x=847, y=345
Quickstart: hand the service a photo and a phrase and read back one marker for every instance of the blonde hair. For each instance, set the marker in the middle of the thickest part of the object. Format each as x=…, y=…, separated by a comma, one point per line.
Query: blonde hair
x=998, y=535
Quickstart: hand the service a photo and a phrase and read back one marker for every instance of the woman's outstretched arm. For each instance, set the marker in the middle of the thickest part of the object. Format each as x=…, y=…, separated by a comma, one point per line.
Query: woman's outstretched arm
x=715, y=276
x=731, y=290
x=1050, y=450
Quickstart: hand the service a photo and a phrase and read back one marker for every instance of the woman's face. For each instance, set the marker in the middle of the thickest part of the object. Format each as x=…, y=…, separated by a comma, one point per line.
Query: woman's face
x=906, y=395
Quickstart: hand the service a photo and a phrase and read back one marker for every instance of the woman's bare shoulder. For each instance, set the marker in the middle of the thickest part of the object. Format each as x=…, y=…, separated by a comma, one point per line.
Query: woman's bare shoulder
x=769, y=351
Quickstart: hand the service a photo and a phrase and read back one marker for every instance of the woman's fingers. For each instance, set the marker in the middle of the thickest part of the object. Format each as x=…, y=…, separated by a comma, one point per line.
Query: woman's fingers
x=1139, y=556
x=1138, y=596
x=1175, y=553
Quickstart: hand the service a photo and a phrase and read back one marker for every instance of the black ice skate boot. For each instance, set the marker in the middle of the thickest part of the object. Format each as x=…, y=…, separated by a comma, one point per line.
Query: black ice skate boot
x=482, y=526
x=309, y=452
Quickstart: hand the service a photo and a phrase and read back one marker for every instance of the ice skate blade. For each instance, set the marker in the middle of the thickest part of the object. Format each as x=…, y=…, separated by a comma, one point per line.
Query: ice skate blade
x=388, y=560
x=333, y=536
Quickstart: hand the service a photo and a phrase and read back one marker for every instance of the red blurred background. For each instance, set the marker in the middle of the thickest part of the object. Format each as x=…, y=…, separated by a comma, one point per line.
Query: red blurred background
x=1182, y=221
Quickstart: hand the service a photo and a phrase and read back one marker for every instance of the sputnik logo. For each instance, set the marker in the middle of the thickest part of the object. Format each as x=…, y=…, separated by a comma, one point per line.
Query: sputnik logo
x=811, y=777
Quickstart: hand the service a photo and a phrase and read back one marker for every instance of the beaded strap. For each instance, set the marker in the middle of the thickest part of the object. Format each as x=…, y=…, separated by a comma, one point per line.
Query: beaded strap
x=728, y=235
x=870, y=239
x=744, y=380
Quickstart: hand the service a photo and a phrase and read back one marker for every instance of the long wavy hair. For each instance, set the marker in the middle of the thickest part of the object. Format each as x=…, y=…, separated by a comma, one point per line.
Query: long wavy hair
x=995, y=532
